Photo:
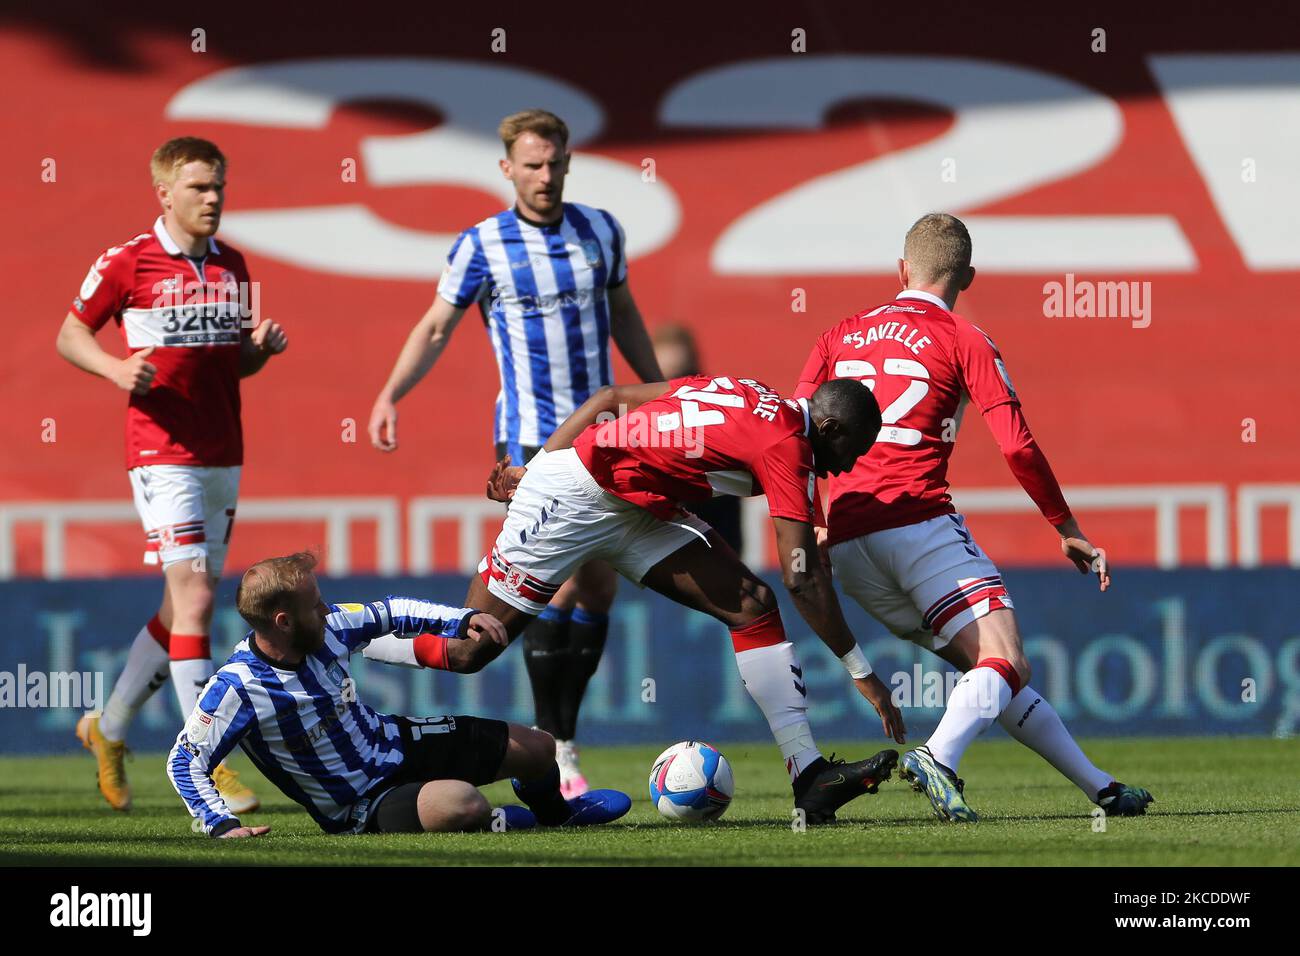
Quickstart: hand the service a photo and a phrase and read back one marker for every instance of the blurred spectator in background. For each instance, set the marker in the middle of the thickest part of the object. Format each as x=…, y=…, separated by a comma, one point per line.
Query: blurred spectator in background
x=676, y=352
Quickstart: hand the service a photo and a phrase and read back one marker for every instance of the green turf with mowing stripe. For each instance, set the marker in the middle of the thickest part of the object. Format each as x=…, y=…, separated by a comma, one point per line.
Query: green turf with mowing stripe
x=1220, y=801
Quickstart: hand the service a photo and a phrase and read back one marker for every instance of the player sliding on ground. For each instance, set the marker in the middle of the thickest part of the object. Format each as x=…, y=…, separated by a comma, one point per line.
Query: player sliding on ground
x=897, y=544
x=286, y=697
x=613, y=491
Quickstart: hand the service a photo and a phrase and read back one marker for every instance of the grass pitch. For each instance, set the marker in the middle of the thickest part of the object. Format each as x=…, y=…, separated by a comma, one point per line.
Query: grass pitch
x=1220, y=802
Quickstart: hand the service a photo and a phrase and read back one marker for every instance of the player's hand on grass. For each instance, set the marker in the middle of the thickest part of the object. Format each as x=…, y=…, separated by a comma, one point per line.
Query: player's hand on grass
x=135, y=372
x=891, y=719
x=245, y=832
x=483, y=625
x=270, y=337
x=504, y=480
x=1085, y=556
x=383, y=425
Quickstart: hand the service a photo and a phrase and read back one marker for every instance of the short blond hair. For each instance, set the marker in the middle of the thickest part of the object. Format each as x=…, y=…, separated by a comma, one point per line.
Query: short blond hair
x=268, y=587
x=545, y=124
x=168, y=158
x=938, y=249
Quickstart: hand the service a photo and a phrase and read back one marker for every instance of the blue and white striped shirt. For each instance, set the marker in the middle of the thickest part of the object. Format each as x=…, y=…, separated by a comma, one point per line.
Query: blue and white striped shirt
x=303, y=727
x=542, y=292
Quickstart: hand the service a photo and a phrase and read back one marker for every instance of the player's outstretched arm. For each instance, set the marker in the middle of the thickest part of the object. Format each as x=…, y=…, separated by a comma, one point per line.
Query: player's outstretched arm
x=76, y=343
x=1031, y=468
x=627, y=328
x=814, y=597
x=610, y=400
x=810, y=586
x=986, y=380
x=422, y=348
x=219, y=720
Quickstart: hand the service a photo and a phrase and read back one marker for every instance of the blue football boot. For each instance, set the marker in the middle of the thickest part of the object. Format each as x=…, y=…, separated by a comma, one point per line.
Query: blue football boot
x=941, y=785
x=598, y=806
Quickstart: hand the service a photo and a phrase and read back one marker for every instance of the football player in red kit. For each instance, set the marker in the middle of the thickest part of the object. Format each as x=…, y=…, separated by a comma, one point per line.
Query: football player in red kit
x=181, y=300
x=901, y=550
x=612, y=487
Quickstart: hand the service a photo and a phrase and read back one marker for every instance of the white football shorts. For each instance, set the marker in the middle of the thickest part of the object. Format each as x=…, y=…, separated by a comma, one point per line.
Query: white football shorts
x=559, y=519
x=188, y=512
x=923, y=581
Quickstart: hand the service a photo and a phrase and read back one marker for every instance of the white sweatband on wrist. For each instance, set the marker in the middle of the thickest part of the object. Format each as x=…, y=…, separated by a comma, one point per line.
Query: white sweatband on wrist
x=855, y=662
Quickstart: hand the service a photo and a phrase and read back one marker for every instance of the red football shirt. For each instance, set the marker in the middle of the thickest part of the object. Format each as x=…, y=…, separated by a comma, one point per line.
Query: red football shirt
x=191, y=312
x=703, y=438
x=923, y=363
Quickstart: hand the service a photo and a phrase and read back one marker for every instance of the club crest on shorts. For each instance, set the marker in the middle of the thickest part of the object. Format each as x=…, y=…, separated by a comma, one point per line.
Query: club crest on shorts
x=512, y=580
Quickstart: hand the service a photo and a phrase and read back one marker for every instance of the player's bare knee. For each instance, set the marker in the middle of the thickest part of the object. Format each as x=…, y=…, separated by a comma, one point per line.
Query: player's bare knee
x=475, y=812
x=530, y=753
x=456, y=809
x=543, y=746
x=540, y=748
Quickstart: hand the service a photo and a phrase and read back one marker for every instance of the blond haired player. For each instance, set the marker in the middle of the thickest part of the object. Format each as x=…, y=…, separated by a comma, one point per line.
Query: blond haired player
x=287, y=697
x=181, y=301
x=901, y=550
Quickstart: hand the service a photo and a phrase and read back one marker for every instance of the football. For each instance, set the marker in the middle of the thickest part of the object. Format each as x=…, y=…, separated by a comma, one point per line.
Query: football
x=691, y=781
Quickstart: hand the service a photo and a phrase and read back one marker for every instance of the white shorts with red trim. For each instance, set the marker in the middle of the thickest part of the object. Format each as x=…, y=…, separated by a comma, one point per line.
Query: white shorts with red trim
x=923, y=581
x=559, y=519
x=188, y=512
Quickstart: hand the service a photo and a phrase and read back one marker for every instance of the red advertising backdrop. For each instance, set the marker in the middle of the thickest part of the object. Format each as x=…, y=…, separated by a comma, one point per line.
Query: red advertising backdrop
x=765, y=167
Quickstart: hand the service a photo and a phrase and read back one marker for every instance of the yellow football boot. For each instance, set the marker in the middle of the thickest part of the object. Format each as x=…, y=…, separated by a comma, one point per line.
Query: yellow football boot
x=239, y=798
x=110, y=756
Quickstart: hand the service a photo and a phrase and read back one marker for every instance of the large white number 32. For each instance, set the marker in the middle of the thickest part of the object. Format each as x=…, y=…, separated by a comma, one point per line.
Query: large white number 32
x=350, y=238
x=891, y=429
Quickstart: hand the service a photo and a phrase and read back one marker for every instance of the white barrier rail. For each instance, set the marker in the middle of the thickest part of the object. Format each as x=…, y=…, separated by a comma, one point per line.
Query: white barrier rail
x=1166, y=501
x=337, y=513
x=1251, y=499
x=470, y=513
